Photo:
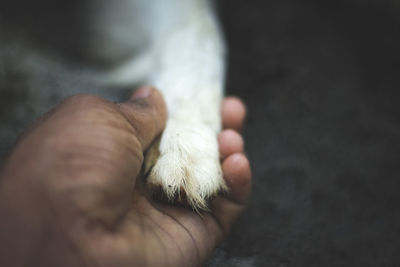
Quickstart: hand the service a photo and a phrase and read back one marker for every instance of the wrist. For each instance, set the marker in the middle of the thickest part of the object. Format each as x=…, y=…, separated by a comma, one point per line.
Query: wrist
x=21, y=230
x=33, y=228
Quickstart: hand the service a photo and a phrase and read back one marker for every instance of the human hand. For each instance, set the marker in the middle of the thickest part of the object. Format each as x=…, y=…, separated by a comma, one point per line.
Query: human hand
x=71, y=193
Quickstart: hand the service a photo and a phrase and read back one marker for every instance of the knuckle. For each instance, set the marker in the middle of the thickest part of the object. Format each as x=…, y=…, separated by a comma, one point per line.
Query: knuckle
x=88, y=106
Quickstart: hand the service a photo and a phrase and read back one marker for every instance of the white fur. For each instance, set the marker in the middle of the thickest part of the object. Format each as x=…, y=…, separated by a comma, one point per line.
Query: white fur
x=188, y=161
x=182, y=55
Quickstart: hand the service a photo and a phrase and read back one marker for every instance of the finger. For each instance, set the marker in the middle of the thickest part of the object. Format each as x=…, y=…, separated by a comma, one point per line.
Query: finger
x=146, y=112
x=237, y=176
x=233, y=113
x=230, y=142
x=109, y=146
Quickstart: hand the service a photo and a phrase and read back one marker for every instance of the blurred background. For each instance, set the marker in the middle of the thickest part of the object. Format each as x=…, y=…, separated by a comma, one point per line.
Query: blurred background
x=321, y=82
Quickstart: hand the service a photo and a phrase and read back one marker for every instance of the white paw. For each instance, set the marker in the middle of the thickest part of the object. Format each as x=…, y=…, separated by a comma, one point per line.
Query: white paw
x=185, y=164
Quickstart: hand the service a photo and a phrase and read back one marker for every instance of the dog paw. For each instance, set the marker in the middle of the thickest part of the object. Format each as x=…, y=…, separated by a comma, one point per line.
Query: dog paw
x=184, y=165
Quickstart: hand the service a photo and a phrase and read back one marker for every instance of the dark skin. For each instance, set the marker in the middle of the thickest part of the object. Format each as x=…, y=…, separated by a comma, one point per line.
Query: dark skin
x=72, y=194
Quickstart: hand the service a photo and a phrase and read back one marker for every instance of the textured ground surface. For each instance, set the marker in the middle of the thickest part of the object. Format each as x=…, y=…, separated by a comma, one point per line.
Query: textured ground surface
x=321, y=81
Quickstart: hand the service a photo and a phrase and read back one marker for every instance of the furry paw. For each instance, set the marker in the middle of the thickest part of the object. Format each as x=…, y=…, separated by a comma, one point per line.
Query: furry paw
x=184, y=165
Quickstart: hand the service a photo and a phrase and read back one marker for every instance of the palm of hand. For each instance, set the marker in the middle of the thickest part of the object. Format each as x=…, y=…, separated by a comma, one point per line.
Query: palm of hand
x=155, y=234
x=89, y=203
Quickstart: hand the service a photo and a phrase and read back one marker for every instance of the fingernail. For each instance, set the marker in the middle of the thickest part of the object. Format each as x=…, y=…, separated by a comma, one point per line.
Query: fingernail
x=142, y=92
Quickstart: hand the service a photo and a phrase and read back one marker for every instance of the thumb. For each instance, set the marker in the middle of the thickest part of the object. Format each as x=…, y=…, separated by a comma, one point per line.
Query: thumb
x=146, y=112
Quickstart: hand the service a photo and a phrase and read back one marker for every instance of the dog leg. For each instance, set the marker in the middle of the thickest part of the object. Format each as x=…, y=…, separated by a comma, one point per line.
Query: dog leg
x=186, y=53
x=190, y=74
